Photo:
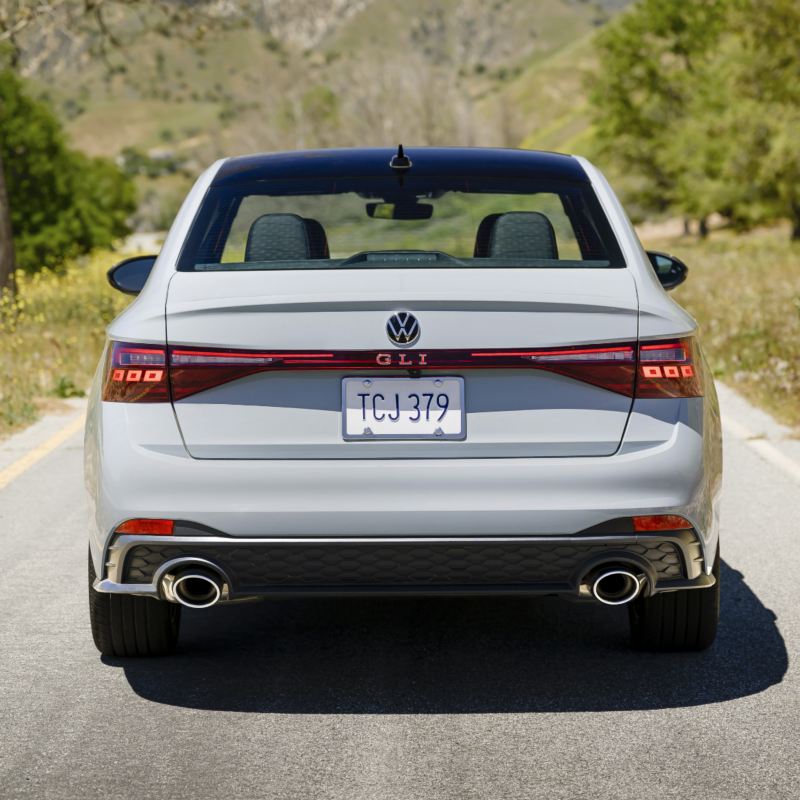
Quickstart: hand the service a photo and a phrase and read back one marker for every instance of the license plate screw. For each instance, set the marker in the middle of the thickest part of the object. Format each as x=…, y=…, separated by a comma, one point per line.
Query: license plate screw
x=438, y=432
x=437, y=382
x=368, y=383
x=367, y=431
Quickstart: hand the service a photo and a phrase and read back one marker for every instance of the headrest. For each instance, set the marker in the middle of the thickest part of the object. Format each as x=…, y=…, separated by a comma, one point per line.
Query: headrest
x=317, y=238
x=285, y=237
x=482, y=236
x=516, y=234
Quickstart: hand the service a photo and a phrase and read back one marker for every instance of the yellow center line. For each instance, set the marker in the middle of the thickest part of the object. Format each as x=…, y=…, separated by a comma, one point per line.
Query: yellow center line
x=23, y=464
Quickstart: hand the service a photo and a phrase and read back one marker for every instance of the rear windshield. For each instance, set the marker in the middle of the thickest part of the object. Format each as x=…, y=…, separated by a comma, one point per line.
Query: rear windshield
x=400, y=222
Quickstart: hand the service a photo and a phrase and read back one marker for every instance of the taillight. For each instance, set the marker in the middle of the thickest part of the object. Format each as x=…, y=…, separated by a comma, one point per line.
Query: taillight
x=152, y=373
x=668, y=369
x=136, y=373
x=193, y=370
x=610, y=367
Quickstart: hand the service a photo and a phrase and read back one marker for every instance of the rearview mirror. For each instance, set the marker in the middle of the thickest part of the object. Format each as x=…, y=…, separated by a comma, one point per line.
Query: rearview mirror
x=400, y=210
x=670, y=271
x=129, y=276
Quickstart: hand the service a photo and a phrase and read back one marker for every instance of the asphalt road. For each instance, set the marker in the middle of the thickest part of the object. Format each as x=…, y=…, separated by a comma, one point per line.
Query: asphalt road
x=411, y=698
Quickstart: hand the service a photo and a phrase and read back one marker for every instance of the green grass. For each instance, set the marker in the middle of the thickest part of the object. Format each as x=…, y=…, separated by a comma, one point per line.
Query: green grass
x=745, y=293
x=51, y=336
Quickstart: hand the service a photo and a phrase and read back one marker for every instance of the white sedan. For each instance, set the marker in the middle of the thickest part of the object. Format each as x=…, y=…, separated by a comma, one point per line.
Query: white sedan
x=444, y=370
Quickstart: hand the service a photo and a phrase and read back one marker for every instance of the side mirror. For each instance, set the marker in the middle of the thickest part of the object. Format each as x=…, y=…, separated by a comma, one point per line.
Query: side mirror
x=670, y=271
x=129, y=276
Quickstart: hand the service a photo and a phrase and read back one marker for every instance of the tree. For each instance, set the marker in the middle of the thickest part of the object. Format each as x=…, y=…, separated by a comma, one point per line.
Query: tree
x=33, y=31
x=737, y=146
x=8, y=256
x=768, y=82
x=701, y=102
x=650, y=60
x=61, y=203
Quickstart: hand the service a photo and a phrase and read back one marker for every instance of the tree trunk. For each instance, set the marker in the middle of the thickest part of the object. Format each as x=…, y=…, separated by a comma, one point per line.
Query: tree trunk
x=795, y=222
x=703, y=227
x=8, y=261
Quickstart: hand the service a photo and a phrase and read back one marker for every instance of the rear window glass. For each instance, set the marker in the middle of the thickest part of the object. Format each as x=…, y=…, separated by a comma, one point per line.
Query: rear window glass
x=399, y=223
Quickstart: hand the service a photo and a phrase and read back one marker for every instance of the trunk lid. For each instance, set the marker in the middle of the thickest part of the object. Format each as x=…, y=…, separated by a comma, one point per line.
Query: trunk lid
x=509, y=412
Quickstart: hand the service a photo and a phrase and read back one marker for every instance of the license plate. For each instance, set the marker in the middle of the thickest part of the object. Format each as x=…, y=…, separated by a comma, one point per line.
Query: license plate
x=403, y=408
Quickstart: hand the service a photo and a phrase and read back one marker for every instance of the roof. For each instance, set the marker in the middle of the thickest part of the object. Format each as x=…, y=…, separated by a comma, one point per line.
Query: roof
x=360, y=162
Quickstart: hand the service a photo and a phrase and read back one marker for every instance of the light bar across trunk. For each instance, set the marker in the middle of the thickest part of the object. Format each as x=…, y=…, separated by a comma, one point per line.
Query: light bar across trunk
x=145, y=373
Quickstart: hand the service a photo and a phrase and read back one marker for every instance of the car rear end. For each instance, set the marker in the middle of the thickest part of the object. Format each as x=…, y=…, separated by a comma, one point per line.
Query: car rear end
x=327, y=387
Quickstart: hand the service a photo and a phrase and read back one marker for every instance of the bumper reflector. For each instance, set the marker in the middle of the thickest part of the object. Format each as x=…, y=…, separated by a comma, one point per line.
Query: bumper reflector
x=660, y=522
x=150, y=527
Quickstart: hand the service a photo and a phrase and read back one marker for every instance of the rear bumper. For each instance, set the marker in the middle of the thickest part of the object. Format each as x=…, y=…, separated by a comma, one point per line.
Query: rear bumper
x=452, y=565
x=136, y=466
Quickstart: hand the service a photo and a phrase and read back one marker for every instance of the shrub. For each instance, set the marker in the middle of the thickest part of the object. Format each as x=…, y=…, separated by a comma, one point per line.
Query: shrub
x=51, y=334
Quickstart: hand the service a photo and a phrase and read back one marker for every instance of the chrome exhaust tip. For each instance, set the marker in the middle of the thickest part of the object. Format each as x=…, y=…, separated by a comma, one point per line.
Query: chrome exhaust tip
x=193, y=588
x=615, y=587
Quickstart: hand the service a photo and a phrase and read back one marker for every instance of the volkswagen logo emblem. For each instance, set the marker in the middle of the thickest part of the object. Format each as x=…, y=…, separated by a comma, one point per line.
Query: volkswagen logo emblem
x=403, y=328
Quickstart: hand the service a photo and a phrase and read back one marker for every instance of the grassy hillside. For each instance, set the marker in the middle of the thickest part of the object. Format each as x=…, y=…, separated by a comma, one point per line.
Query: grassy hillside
x=168, y=91
x=322, y=73
x=319, y=73
x=550, y=96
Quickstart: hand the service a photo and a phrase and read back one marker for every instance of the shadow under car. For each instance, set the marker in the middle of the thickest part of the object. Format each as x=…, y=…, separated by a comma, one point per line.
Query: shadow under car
x=389, y=655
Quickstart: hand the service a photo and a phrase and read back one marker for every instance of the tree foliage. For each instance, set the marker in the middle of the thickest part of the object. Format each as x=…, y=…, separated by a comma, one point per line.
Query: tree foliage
x=62, y=202
x=700, y=102
x=49, y=29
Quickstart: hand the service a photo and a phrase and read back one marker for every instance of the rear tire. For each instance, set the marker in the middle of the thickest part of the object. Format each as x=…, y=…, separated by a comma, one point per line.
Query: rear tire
x=682, y=620
x=123, y=625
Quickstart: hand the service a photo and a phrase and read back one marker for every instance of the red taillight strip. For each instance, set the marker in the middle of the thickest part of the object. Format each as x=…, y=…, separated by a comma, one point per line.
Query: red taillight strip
x=194, y=371
x=654, y=369
x=664, y=351
x=236, y=356
x=626, y=353
x=125, y=348
x=400, y=359
x=209, y=360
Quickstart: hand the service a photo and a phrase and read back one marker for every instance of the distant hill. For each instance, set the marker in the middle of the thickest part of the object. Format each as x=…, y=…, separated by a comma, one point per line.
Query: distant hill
x=333, y=72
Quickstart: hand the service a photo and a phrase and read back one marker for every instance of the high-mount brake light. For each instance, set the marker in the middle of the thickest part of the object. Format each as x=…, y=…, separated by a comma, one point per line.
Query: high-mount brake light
x=668, y=369
x=136, y=373
x=148, y=527
x=660, y=522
